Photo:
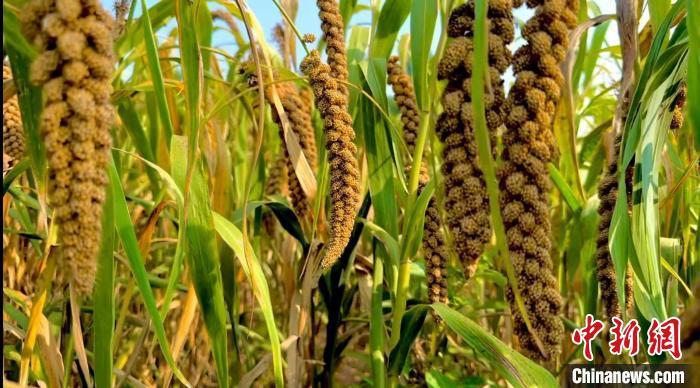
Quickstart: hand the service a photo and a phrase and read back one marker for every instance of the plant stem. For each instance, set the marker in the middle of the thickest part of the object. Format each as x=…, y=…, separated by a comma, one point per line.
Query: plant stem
x=376, y=324
x=405, y=264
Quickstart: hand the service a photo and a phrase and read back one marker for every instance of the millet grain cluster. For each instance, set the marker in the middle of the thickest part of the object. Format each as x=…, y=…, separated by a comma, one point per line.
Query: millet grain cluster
x=607, y=277
x=434, y=246
x=12, y=131
x=299, y=115
x=466, y=199
x=74, y=69
x=524, y=181
x=677, y=120
x=277, y=175
x=332, y=104
x=276, y=184
x=298, y=112
x=333, y=29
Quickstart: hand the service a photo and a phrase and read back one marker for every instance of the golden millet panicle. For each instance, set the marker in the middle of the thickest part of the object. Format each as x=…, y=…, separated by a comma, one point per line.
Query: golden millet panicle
x=434, y=246
x=333, y=29
x=466, y=199
x=308, y=38
x=340, y=137
x=12, y=131
x=74, y=68
x=524, y=182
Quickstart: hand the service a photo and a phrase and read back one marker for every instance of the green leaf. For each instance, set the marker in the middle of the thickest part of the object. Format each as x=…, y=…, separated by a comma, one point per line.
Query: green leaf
x=12, y=34
x=125, y=229
x=16, y=171
x=423, y=19
x=381, y=189
x=156, y=72
x=203, y=255
x=286, y=216
x=390, y=245
x=566, y=191
x=30, y=104
x=191, y=63
x=381, y=164
x=413, y=227
x=391, y=18
x=411, y=324
x=509, y=364
x=179, y=251
x=132, y=37
x=635, y=239
x=130, y=118
x=233, y=237
x=205, y=28
x=657, y=10
x=104, y=299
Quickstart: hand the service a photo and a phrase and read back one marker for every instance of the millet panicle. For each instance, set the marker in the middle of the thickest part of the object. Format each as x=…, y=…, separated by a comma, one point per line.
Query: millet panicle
x=333, y=29
x=12, y=130
x=332, y=104
x=299, y=118
x=607, y=277
x=466, y=199
x=524, y=180
x=678, y=105
x=74, y=68
x=434, y=245
x=276, y=183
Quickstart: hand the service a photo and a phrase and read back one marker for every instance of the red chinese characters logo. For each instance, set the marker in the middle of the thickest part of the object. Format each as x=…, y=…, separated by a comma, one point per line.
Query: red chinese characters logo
x=624, y=337
x=665, y=337
x=662, y=337
x=587, y=334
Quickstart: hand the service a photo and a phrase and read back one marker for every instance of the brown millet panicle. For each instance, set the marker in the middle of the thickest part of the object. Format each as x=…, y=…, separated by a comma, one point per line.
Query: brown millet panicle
x=299, y=118
x=466, y=198
x=12, y=132
x=524, y=181
x=333, y=29
x=298, y=115
x=677, y=120
x=434, y=246
x=340, y=137
x=74, y=68
x=607, y=277
x=276, y=184
x=277, y=175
